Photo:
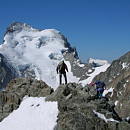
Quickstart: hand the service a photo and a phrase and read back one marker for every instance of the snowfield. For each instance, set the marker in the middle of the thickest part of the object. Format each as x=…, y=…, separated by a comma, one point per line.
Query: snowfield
x=98, y=70
x=33, y=114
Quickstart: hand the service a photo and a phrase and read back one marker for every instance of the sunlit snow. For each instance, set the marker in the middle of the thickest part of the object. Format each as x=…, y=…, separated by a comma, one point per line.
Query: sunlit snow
x=102, y=116
x=124, y=65
x=97, y=61
x=116, y=102
x=96, y=72
x=33, y=114
x=107, y=91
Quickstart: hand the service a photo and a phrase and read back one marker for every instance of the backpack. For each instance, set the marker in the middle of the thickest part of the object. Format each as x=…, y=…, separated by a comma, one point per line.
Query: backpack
x=61, y=66
x=100, y=84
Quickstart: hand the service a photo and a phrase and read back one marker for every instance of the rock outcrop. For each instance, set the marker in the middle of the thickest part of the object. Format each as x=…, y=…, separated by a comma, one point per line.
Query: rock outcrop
x=17, y=27
x=79, y=110
x=78, y=68
x=7, y=72
x=17, y=89
x=117, y=77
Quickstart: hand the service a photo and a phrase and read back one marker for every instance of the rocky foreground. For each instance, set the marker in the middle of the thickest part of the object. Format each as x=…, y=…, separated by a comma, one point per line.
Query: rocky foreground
x=78, y=108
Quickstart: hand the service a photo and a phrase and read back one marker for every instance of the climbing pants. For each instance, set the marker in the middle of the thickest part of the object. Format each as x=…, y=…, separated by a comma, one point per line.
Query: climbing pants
x=60, y=76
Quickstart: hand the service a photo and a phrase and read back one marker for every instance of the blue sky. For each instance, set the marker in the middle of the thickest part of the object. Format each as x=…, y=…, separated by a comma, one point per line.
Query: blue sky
x=99, y=29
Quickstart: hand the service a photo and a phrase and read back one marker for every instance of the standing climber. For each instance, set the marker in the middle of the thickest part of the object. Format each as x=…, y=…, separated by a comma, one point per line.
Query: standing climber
x=61, y=69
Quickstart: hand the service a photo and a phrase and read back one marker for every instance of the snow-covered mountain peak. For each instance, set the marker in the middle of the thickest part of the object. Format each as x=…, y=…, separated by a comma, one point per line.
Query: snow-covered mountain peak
x=98, y=62
x=35, y=52
x=21, y=33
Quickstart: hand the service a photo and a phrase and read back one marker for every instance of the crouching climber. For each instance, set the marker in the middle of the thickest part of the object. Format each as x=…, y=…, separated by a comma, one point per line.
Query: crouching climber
x=61, y=69
x=99, y=88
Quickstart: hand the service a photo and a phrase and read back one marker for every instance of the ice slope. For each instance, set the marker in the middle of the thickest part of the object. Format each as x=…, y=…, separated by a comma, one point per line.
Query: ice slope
x=33, y=114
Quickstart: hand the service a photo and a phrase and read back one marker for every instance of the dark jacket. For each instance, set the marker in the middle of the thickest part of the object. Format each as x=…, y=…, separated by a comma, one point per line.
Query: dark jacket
x=61, y=68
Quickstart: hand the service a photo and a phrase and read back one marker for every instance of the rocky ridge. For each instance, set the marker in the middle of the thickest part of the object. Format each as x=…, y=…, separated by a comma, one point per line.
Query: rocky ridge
x=17, y=89
x=117, y=78
x=78, y=109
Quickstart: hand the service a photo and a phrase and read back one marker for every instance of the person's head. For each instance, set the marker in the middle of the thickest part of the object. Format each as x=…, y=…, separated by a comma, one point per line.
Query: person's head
x=92, y=83
x=61, y=62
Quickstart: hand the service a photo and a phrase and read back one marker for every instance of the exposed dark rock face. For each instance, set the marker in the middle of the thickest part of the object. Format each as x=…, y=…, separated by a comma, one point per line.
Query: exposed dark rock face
x=121, y=94
x=78, y=110
x=17, y=27
x=7, y=72
x=79, y=69
x=116, y=69
x=16, y=90
x=117, y=76
x=66, y=43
